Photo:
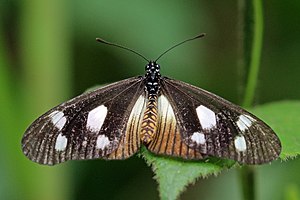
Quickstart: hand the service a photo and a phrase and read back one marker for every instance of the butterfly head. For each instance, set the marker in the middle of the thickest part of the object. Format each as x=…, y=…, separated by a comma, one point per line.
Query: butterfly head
x=152, y=68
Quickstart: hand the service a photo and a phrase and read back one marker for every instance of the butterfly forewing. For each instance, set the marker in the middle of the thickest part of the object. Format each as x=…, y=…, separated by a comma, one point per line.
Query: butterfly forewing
x=86, y=127
x=216, y=127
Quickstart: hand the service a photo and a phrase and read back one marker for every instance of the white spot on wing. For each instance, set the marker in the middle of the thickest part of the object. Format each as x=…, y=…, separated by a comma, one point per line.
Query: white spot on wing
x=60, y=124
x=102, y=142
x=61, y=142
x=58, y=119
x=165, y=109
x=96, y=118
x=199, y=138
x=164, y=101
x=244, y=122
x=138, y=107
x=84, y=143
x=56, y=115
x=240, y=143
x=206, y=117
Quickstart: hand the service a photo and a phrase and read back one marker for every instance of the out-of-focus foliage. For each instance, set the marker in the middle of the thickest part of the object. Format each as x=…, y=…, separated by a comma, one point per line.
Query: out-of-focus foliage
x=48, y=54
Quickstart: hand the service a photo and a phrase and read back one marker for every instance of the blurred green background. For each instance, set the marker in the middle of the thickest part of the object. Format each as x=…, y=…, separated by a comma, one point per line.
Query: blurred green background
x=48, y=54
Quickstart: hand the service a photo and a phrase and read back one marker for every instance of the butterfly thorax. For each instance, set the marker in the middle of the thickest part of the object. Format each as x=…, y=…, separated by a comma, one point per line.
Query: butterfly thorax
x=152, y=78
x=152, y=87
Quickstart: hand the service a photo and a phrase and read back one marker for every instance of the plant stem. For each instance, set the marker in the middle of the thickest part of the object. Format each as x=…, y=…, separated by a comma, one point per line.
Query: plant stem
x=45, y=47
x=254, y=51
x=250, y=40
x=247, y=176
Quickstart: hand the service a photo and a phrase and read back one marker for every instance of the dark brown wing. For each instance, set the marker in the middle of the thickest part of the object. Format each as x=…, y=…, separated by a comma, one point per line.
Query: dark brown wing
x=216, y=127
x=97, y=124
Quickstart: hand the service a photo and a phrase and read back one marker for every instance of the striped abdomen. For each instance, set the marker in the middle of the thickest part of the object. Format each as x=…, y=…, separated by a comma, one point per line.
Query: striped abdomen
x=150, y=120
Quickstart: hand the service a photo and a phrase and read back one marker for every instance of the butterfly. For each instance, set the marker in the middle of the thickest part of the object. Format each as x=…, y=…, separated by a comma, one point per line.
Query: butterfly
x=169, y=117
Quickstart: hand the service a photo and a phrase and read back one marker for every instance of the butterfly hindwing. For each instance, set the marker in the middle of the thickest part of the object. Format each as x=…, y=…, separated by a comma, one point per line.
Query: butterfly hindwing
x=216, y=127
x=167, y=140
x=131, y=141
x=89, y=126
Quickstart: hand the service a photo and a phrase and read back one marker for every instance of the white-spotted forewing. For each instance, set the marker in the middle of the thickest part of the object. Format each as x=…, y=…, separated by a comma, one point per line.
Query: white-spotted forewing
x=168, y=116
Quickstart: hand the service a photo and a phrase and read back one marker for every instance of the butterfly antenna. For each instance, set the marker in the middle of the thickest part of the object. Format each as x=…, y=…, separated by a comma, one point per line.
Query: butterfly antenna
x=180, y=43
x=122, y=47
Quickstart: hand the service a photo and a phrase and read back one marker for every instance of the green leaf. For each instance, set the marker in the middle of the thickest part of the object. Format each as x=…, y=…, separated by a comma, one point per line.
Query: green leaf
x=284, y=118
x=174, y=175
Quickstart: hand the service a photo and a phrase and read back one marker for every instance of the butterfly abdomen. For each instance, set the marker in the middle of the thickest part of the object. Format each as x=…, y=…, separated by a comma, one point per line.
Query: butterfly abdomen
x=150, y=120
